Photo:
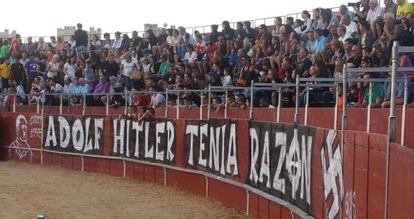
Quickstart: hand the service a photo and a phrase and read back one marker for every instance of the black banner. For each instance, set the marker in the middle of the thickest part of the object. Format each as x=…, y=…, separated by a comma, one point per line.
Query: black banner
x=75, y=134
x=212, y=146
x=280, y=161
x=145, y=140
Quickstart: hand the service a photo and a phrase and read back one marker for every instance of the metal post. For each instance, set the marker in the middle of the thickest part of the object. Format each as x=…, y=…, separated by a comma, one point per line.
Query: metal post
x=344, y=97
x=126, y=102
x=279, y=104
x=84, y=104
x=225, y=103
x=178, y=105
x=306, y=106
x=251, y=100
x=60, y=104
x=14, y=104
x=336, y=106
x=297, y=100
x=391, y=121
x=404, y=109
x=201, y=105
x=38, y=106
x=209, y=102
x=368, y=128
x=166, y=104
x=107, y=104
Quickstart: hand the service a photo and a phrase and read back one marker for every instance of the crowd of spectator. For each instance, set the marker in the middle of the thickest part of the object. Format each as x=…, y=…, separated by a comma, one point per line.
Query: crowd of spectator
x=316, y=46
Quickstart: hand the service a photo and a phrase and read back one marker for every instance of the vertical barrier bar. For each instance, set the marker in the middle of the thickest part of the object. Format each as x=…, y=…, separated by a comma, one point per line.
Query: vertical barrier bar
x=279, y=104
x=391, y=121
x=166, y=106
x=60, y=104
x=404, y=109
x=14, y=103
x=306, y=106
x=251, y=100
x=206, y=178
x=38, y=106
x=84, y=104
x=345, y=98
x=201, y=105
x=247, y=202
x=368, y=128
x=126, y=102
x=177, y=114
x=225, y=103
x=297, y=100
x=165, y=177
x=107, y=104
x=336, y=106
x=209, y=102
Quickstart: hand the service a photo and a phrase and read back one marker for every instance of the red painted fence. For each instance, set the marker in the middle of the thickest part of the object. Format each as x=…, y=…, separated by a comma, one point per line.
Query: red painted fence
x=362, y=194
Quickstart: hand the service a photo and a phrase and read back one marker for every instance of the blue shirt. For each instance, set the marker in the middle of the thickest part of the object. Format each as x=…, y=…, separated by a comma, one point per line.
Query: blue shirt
x=31, y=67
x=320, y=43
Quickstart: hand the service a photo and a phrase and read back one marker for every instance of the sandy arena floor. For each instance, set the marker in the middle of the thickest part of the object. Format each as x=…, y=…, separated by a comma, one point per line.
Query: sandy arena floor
x=28, y=190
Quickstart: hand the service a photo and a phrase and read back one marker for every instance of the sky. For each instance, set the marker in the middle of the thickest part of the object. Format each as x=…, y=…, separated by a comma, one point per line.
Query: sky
x=43, y=17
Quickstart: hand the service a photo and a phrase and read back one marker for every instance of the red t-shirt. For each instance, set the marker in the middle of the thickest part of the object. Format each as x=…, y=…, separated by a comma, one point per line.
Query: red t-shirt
x=140, y=100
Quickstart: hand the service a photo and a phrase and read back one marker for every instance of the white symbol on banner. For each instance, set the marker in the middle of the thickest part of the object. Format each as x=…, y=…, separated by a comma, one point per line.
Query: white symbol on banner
x=20, y=145
x=36, y=126
x=332, y=173
x=350, y=210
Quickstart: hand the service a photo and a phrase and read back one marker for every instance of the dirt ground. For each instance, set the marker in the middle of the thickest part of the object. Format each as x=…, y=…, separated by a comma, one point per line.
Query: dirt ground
x=28, y=190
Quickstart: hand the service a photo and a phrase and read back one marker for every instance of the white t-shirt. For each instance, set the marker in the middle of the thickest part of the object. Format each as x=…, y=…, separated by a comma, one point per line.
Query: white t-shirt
x=190, y=57
x=128, y=67
x=70, y=71
x=351, y=28
x=374, y=14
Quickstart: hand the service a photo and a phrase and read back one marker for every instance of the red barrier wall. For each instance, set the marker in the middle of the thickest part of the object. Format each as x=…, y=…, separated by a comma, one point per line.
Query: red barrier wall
x=364, y=163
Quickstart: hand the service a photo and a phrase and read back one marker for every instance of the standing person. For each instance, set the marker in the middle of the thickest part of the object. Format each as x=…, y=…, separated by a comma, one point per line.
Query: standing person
x=18, y=72
x=81, y=39
x=126, y=68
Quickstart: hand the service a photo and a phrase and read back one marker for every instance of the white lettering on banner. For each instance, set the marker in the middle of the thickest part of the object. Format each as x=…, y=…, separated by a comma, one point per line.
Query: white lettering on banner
x=118, y=136
x=160, y=129
x=137, y=126
x=193, y=131
x=214, y=158
x=232, y=153
x=170, y=140
x=264, y=167
x=220, y=155
x=278, y=181
x=142, y=140
x=83, y=136
x=332, y=173
x=50, y=135
x=78, y=135
x=254, y=155
x=149, y=149
x=202, y=160
x=99, y=126
x=64, y=131
x=128, y=122
x=289, y=162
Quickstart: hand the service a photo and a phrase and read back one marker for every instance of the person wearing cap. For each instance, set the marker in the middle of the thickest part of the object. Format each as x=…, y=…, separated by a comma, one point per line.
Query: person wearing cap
x=81, y=39
x=118, y=41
